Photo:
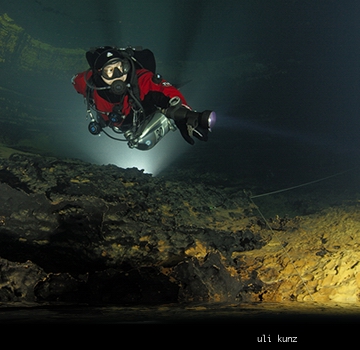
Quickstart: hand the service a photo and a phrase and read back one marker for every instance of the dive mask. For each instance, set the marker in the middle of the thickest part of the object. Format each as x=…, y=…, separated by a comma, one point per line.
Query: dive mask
x=115, y=68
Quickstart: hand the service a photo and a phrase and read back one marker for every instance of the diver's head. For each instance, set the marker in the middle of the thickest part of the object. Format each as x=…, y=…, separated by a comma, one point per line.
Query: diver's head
x=112, y=66
x=115, y=69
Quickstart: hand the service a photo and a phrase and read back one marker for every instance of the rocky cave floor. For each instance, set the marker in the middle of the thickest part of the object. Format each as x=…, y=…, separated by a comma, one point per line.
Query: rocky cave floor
x=75, y=235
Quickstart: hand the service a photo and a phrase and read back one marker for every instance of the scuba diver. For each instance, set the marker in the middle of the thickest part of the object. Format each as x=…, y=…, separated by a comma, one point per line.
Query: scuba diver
x=123, y=92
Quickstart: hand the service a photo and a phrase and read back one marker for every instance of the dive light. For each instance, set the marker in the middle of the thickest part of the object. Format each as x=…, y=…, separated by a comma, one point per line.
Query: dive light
x=178, y=112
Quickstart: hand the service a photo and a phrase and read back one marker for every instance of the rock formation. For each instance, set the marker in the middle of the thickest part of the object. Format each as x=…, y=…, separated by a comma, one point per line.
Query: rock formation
x=74, y=232
x=71, y=231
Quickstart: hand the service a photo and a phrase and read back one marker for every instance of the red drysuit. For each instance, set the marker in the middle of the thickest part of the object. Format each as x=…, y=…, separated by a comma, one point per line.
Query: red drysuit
x=152, y=94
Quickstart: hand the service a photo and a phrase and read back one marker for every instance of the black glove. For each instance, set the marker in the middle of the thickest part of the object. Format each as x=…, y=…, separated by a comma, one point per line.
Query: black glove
x=189, y=123
x=184, y=131
x=187, y=131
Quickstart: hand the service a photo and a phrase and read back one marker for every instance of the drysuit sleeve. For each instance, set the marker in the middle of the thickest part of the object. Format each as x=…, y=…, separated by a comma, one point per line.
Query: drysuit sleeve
x=161, y=91
x=78, y=81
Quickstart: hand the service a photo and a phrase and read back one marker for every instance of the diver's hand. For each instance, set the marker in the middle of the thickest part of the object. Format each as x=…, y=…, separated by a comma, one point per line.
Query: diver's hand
x=187, y=131
x=184, y=131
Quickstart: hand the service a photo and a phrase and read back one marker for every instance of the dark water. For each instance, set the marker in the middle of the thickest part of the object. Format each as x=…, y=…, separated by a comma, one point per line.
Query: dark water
x=250, y=324
x=296, y=113
x=263, y=315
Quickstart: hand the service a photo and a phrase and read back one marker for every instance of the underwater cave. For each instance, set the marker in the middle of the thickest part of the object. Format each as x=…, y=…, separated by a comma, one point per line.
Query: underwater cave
x=258, y=225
